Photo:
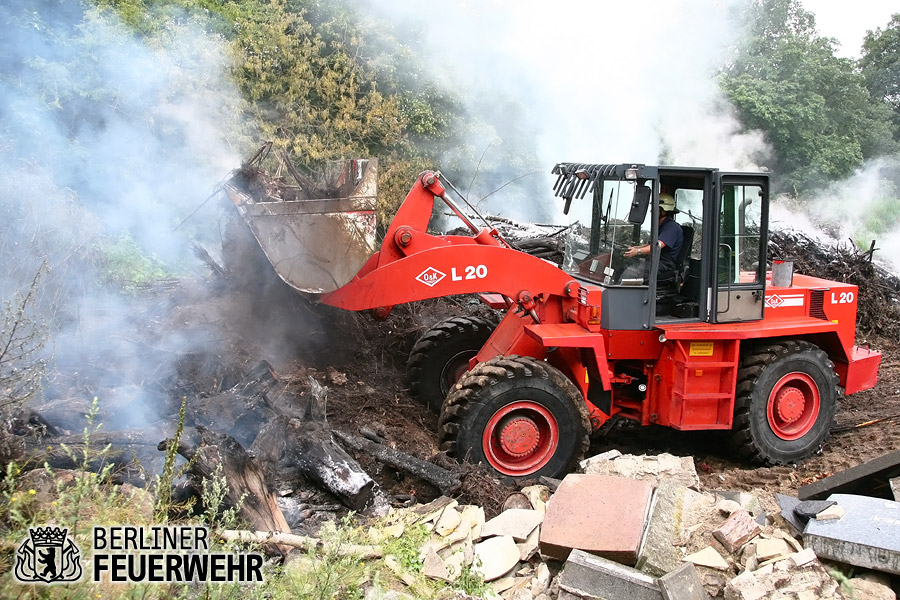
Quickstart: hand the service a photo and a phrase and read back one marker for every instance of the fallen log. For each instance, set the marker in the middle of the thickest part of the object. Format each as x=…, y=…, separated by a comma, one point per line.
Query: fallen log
x=101, y=449
x=299, y=541
x=219, y=454
x=445, y=480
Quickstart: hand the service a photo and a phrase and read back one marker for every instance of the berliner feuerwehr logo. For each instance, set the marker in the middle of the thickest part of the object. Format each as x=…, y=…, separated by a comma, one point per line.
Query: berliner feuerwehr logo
x=48, y=556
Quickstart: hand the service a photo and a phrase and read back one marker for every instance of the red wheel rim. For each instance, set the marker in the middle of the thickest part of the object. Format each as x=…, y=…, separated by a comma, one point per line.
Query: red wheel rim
x=520, y=438
x=793, y=406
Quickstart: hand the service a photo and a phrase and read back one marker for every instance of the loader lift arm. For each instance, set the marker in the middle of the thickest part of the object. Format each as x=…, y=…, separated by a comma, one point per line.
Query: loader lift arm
x=414, y=265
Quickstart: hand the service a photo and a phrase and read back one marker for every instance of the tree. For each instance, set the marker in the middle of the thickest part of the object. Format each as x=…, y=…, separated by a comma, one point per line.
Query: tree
x=813, y=106
x=880, y=63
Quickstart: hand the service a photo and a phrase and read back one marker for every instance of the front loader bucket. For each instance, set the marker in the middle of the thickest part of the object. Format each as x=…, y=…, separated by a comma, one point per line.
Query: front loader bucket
x=317, y=234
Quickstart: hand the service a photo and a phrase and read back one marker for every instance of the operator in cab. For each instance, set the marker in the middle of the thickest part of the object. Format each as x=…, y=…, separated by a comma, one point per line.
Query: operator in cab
x=671, y=238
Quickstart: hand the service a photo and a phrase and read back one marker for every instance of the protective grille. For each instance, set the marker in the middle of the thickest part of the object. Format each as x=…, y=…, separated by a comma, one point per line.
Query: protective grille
x=817, y=304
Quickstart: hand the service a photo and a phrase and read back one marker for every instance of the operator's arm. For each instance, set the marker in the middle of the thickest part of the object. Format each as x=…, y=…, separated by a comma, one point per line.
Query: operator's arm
x=641, y=250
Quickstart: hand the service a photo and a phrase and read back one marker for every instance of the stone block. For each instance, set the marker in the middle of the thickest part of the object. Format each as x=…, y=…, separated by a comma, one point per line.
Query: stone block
x=861, y=479
x=682, y=584
x=866, y=536
x=666, y=525
x=895, y=488
x=736, y=530
x=601, y=514
x=587, y=576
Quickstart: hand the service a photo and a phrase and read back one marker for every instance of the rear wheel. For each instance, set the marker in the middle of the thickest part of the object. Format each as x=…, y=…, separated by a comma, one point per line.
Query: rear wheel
x=519, y=415
x=441, y=356
x=785, y=403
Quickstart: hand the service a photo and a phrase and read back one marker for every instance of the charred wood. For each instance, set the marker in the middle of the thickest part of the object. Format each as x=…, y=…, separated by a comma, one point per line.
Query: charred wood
x=240, y=411
x=445, y=480
x=220, y=454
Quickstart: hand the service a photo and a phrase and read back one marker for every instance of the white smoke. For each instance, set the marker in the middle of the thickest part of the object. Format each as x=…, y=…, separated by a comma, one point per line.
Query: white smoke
x=599, y=82
x=106, y=135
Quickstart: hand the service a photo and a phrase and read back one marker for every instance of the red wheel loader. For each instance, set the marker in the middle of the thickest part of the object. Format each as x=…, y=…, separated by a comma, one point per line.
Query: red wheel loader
x=724, y=344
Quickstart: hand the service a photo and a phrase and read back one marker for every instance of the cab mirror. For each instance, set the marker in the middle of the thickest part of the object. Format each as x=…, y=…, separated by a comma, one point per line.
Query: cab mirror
x=639, y=205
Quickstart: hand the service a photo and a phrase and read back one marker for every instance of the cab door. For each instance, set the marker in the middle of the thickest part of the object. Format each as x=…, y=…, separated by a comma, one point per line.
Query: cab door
x=739, y=279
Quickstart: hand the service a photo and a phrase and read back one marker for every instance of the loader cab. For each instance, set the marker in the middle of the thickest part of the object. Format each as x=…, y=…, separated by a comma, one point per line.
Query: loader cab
x=720, y=272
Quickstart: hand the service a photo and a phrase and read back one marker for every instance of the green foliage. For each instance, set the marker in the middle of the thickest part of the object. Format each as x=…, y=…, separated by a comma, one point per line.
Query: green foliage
x=126, y=264
x=327, y=574
x=163, y=484
x=879, y=217
x=812, y=105
x=406, y=547
x=880, y=63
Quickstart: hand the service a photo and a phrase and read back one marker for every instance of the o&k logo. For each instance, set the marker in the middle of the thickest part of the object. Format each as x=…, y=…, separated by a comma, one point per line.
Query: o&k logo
x=47, y=556
x=430, y=276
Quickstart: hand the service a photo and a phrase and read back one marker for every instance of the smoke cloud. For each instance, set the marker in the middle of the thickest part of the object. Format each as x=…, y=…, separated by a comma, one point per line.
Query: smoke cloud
x=104, y=136
x=593, y=82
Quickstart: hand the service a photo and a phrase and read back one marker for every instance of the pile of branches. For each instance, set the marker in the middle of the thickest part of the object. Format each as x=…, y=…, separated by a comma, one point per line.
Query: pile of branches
x=878, y=308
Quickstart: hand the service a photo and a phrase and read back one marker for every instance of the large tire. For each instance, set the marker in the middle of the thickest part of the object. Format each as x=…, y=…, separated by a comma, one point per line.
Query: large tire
x=787, y=395
x=440, y=357
x=518, y=415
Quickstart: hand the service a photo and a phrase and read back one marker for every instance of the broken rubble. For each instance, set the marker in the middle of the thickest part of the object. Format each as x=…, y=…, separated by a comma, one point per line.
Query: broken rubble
x=784, y=579
x=648, y=468
x=496, y=556
x=708, y=557
x=767, y=548
x=870, y=590
x=516, y=522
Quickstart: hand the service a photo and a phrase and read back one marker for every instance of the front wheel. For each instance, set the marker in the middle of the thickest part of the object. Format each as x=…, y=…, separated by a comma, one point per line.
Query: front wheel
x=519, y=415
x=785, y=403
x=441, y=355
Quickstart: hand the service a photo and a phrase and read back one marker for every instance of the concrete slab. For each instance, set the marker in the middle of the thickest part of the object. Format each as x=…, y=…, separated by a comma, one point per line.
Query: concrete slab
x=895, y=488
x=602, y=514
x=869, y=479
x=866, y=536
x=587, y=576
x=682, y=584
x=670, y=504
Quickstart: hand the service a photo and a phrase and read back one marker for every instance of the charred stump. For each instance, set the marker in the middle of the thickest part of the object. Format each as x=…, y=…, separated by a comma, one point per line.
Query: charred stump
x=307, y=445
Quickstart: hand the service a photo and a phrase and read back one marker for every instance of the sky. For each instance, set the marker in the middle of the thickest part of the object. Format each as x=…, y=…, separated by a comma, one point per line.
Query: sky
x=849, y=21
